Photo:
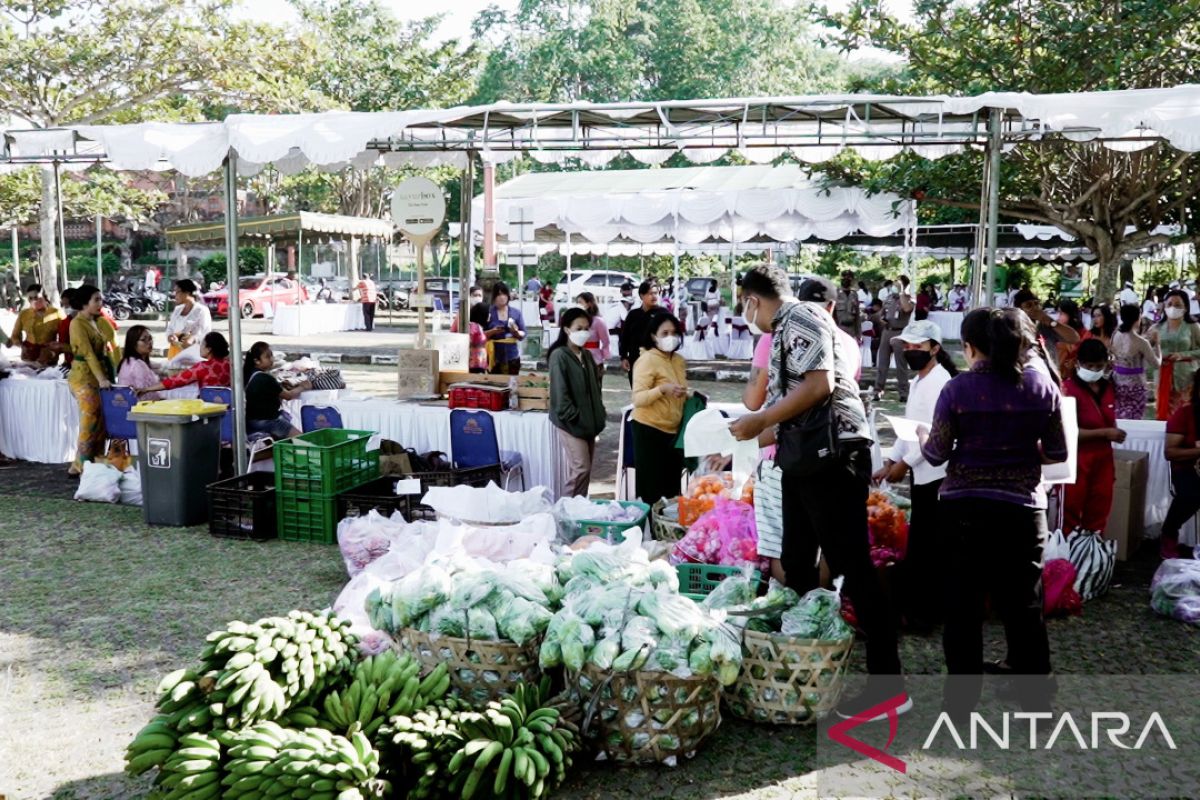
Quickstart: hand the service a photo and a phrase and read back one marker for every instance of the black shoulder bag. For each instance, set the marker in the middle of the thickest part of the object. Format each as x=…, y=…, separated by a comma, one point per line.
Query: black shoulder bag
x=807, y=444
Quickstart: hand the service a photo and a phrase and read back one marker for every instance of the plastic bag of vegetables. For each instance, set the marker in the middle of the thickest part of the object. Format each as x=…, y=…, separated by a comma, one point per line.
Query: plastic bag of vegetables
x=473, y=623
x=517, y=619
x=419, y=593
x=813, y=616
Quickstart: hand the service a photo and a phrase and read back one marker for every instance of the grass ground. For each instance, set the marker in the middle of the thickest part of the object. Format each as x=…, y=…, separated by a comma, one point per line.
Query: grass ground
x=95, y=607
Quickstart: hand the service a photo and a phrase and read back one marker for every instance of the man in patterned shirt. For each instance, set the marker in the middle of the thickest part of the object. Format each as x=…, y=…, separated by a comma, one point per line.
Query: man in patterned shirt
x=823, y=511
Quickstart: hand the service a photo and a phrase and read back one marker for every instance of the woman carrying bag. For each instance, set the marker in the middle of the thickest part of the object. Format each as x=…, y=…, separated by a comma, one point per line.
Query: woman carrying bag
x=659, y=392
x=576, y=406
x=92, y=368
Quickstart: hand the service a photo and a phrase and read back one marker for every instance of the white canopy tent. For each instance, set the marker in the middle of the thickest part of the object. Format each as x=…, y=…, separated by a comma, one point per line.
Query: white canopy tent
x=812, y=128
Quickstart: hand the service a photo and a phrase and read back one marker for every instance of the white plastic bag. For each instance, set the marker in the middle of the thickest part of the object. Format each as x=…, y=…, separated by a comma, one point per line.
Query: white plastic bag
x=186, y=358
x=490, y=504
x=99, y=483
x=131, y=487
x=1056, y=547
x=1175, y=590
x=362, y=540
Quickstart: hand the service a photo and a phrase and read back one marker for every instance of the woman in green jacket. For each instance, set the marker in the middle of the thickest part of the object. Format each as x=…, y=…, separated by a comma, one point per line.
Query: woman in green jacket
x=576, y=407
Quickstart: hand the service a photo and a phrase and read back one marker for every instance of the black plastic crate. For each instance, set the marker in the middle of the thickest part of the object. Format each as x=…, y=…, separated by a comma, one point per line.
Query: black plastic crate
x=467, y=476
x=379, y=495
x=243, y=507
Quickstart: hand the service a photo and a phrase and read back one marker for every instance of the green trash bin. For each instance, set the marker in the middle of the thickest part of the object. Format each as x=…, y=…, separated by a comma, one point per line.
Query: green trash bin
x=179, y=453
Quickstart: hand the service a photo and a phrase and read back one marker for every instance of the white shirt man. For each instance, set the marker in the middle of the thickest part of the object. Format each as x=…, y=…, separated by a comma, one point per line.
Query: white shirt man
x=151, y=277
x=1128, y=296
x=958, y=298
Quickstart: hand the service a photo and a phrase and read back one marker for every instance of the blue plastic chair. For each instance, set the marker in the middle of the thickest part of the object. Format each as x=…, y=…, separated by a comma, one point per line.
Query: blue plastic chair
x=473, y=443
x=221, y=394
x=314, y=418
x=115, y=404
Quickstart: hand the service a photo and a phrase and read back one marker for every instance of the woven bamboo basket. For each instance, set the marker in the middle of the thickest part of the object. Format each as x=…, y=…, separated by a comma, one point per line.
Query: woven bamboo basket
x=786, y=680
x=647, y=717
x=480, y=670
x=663, y=529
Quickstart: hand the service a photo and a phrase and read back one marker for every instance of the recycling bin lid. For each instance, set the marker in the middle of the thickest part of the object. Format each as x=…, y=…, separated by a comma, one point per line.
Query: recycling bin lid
x=176, y=410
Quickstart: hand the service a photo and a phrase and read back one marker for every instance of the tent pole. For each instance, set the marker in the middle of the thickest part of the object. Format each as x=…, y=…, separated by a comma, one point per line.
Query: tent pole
x=16, y=250
x=993, y=207
x=300, y=252
x=568, y=267
x=99, y=263
x=465, y=277
x=62, y=230
x=235, y=315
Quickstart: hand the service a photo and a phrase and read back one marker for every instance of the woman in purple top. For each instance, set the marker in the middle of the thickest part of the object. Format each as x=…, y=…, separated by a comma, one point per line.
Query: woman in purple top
x=995, y=426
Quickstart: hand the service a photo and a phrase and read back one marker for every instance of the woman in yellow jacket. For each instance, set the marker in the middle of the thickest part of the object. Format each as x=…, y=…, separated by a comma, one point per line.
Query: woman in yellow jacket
x=93, y=348
x=659, y=392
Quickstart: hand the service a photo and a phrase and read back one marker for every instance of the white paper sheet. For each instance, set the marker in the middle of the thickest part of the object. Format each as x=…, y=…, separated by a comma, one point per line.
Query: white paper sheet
x=1065, y=472
x=904, y=428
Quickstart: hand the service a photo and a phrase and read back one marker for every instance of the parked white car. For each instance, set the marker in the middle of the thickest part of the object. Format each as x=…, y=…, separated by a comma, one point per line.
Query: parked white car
x=605, y=284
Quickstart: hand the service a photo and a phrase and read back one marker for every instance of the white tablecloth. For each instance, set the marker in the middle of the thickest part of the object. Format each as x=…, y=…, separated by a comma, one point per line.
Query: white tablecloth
x=425, y=428
x=950, y=322
x=1150, y=436
x=308, y=318
x=39, y=420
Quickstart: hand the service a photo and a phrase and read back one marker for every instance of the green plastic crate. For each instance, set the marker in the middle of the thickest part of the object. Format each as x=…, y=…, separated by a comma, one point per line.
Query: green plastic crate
x=325, y=462
x=607, y=530
x=696, y=581
x=306, y=519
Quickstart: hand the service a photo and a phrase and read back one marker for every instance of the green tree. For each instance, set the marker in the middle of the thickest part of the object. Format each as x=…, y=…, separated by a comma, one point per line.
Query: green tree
x=77, y=61
x=612, y=50
x=1111, y=201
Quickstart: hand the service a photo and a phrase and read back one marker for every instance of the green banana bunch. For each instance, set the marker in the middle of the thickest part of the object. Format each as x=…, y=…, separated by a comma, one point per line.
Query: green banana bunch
x=193, y=769
x=419, y=746
x=254, y=672
x=517, y=747
x=383, y=686
x=152, y=745
x=268, y=761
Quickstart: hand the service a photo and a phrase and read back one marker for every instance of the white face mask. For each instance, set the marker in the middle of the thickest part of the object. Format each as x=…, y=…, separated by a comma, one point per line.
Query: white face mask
x=1089, y=375
x=750, y=323
x=1174, y=312
x=579, y=338
x=668, y=344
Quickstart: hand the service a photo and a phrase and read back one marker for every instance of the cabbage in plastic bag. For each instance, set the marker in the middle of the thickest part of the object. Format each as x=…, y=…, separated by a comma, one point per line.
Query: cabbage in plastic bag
x=726, y=653
x=419, y=593
x=474, y=623
x=469, y=589
x=809, y=618
x=735, y=590
x=518, y=620
x=605, y=652
x=576, y=638
x=675, y=615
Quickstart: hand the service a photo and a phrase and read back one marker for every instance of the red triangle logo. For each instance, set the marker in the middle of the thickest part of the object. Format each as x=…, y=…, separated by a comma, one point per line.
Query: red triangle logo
x=840, y=732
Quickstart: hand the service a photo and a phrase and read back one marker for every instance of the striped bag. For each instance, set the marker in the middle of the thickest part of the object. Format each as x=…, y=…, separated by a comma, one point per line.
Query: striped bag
x=768, y=508
x=1094, y=560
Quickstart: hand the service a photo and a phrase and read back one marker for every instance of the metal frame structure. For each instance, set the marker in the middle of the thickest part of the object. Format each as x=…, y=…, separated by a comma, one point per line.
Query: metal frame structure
x=811, y=129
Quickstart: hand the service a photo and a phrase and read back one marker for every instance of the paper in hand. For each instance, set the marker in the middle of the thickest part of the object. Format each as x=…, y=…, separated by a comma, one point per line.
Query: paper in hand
x=904, y=428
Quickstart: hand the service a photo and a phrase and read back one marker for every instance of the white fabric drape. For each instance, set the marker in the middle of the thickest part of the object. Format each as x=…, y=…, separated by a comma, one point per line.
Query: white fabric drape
x=737, y=204
x=39, y=420
x=305, y=319
x=1150, y=437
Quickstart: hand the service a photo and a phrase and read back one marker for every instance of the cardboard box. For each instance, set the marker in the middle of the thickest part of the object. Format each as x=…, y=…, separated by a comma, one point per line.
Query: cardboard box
x=417, y=373
x=1127, y=520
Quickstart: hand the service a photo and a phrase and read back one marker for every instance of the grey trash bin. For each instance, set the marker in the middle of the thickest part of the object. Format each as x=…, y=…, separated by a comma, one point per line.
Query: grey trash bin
x=178, y=457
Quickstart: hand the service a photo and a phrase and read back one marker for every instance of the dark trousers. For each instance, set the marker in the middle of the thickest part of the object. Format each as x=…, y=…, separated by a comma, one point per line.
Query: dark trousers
x=369, y=315
x=1184, y=504
x=921, y=571
x=997, y=554
x=659, y=463
x=507, y=367
x=829, y=511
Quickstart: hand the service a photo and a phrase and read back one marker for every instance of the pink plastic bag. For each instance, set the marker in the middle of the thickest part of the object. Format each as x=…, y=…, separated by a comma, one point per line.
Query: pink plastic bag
x=1058, y=587
x=726, y=535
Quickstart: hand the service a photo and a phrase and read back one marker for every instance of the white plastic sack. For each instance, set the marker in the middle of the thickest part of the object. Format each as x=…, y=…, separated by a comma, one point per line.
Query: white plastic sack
x=131, y=487
x=186, y=358
x=99, y=483
x=362, y=540
x=1056, y=547
x=490, y=504
x=494, y=542
x=350, y=604
x=1175, y=590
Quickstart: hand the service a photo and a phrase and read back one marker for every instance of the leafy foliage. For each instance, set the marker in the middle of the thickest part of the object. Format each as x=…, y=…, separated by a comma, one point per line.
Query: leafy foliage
x=214, y=268
x=1087, y=190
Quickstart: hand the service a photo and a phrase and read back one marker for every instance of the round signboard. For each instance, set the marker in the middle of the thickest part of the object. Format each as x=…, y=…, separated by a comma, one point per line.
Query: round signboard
x=418, y=207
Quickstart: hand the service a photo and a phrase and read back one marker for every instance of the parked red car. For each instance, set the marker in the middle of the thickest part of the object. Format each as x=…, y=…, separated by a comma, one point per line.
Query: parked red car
x=254, y=293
